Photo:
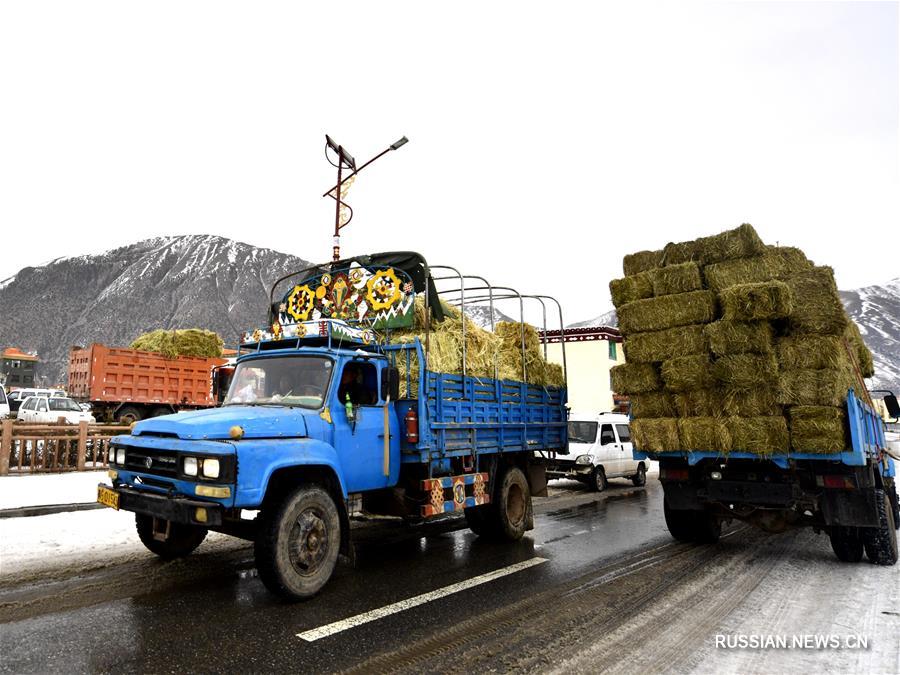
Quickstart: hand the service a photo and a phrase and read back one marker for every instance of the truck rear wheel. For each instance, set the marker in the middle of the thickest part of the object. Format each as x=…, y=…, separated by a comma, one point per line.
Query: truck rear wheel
x=298, y=543
x=179, y=541
x=687, y=525
x=846, y=543
x=881, y=542
x=129, y=415
x=510, y=514
x=890, y=486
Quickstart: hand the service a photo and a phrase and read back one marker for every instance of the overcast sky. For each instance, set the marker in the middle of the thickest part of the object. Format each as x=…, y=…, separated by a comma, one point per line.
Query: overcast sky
x=546, y=139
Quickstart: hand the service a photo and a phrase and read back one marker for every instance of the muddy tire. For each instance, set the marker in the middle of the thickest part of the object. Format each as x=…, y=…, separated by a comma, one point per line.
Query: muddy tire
x=598, y=482
x=129, y=415
x=890, y=486
x=513, y=505
x=298, y=543
x=846, y=543
x=181, y=540
x=640, y=478
x=880, y=542
x=700, y=527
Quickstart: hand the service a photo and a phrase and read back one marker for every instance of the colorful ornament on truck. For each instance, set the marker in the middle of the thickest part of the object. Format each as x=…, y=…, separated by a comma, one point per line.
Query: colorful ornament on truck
x=379, y=298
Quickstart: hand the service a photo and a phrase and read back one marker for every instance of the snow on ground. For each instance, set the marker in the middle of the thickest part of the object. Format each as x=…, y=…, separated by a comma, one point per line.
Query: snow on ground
x=44, y=489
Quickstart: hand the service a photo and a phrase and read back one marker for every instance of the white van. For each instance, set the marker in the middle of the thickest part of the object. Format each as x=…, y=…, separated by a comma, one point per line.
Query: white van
x=4, y=404
x=599, y=449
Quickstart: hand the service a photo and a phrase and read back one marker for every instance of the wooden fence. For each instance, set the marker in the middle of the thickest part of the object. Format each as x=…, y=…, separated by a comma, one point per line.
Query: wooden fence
x=55, y=448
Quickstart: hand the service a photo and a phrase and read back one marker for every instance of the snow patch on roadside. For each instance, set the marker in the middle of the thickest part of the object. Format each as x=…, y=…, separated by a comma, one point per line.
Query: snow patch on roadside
x=45, y=489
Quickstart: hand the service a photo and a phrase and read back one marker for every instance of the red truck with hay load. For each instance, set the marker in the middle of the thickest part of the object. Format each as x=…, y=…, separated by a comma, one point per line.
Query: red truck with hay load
x=746, y=382
x=127, y=385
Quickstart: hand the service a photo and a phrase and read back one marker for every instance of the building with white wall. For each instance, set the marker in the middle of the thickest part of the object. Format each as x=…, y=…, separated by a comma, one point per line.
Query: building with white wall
x=590, y=354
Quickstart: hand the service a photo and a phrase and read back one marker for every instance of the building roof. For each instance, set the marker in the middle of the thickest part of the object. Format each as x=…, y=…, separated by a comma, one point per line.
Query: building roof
x=582, y=334
x=18, y=354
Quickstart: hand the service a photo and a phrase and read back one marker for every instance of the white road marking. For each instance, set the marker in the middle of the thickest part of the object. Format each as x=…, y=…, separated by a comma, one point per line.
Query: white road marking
x=580, y=532
x=375, y=614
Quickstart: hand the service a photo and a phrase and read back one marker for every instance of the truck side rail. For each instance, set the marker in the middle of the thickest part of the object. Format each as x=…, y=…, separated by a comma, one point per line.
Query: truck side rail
x=866, y=436
x=462, y=415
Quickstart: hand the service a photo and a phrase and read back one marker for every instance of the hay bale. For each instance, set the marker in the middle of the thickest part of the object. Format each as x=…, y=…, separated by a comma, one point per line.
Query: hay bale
x=751, y=402
x=685, y=373
x=817, y=305
x=818, y=429
x=699, y=402
x=667, y=311
x=759, y=435
x=763, y=300
x=652, y=404
x=740, y=242
x=655, y=435
x=634, y=263
x=674, y=279
x=806, y=387
x=738, y=371
x=181, y=342
x=635, y=378
x=775, y=263
x=810, y=352
x=739, y=337
x=705, y=434
x=628, y=289
x=858, y=345
x=665, y=344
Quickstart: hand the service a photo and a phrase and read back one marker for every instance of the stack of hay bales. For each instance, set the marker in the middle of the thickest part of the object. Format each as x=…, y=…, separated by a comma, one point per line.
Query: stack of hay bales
x=186, y=342
x=487, y=353
x=735, y=346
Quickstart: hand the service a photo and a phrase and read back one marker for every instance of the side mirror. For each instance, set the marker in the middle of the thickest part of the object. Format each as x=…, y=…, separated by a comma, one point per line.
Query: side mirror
x=893, y=408
x=390, y=383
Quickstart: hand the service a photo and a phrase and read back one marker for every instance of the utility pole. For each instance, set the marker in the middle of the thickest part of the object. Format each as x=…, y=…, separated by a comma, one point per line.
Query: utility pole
x=346, y=161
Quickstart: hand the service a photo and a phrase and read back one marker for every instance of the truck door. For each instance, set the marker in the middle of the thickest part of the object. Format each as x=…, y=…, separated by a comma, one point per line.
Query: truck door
x=359, y=442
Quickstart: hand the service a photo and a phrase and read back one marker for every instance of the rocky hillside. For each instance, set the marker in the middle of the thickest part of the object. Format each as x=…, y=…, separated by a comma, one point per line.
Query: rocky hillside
x=168, y=282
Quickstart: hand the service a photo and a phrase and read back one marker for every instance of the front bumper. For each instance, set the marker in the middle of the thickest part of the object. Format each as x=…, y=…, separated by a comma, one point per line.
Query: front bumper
x=569, y=469
x=177, y=509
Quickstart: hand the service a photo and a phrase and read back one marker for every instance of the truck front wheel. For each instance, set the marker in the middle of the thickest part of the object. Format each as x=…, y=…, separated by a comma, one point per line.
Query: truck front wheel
x=881, y=542
x=846, y=543
x=167, y=539
x=297, y=545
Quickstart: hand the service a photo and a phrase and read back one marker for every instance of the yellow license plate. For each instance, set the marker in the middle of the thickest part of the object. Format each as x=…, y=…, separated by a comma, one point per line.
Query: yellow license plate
x=108, y=497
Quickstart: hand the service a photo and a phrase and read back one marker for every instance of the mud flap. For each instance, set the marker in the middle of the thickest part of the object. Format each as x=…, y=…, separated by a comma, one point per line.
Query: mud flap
x=850, y=508
x=537, y=483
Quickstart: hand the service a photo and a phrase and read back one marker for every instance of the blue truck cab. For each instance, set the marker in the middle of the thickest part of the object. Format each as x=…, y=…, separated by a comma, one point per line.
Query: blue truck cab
x=319, y=426
x=850, y=495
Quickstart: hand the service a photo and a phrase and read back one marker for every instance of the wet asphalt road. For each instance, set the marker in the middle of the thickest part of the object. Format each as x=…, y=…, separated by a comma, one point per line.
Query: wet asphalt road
x=216, y=615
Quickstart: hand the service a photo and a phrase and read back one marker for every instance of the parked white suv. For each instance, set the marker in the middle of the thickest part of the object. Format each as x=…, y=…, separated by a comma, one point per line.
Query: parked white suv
x=48, y=409
x=4, y=404
x=599, y=449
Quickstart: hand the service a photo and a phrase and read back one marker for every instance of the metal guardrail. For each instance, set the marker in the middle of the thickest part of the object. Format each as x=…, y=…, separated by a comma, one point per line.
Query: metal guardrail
x=55, y=448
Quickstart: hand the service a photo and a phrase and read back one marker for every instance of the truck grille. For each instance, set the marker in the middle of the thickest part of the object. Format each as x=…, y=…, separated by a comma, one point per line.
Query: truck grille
x=154, y=462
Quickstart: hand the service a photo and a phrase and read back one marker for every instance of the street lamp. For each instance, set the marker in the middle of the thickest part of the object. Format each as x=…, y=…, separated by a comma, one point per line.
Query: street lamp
x=346, y=161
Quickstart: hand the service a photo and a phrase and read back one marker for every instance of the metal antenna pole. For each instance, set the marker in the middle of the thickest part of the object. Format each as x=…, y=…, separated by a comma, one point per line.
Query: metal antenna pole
x=337, y=213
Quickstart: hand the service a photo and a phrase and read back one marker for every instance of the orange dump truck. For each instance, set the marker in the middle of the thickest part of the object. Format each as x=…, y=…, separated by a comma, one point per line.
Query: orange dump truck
x=126, y=385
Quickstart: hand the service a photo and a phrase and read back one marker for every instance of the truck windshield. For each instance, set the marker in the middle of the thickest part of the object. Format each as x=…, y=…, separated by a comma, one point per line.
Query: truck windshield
x=294, y=381
x=582, y=432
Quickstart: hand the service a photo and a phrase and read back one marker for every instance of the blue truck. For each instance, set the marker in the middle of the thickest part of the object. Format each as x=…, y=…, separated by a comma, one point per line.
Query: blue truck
x=850, y=495
x=327, y=419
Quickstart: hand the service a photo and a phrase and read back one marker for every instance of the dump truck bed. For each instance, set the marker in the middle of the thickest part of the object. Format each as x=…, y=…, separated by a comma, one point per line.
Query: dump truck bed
x=116, y=374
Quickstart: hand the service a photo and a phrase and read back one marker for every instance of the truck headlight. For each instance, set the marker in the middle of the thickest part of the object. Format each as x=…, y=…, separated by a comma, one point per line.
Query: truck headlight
x=190, y=466
x=120, y=456
x=583, y=459
x=211, y=468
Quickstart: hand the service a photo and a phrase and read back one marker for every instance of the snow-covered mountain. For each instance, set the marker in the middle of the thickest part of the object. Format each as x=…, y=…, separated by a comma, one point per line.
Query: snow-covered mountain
x=168, y=282
x=875, y=309
x=481, y=315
